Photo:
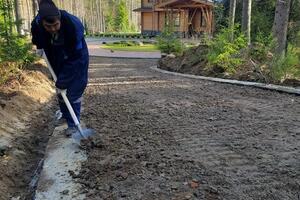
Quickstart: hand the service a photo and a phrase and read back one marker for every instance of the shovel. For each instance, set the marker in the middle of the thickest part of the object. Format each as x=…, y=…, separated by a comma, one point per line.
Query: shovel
x=81, y=134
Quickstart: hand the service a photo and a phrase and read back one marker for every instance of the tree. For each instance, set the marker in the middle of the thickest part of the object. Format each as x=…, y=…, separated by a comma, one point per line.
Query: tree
x=122, y=20
x=232, y=15
x=280, y=25
x=246, y=19
x=18, y=15
x=34, y=7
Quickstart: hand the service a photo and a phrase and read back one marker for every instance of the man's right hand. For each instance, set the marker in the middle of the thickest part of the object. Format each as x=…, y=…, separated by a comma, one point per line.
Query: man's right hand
x=39, y=52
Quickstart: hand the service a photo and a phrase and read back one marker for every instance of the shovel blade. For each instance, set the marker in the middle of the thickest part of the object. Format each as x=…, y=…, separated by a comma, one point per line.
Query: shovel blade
x=85, y=134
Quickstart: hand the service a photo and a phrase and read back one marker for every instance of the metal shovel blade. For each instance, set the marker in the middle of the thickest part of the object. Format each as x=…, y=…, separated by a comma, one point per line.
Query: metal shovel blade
x=85, y=134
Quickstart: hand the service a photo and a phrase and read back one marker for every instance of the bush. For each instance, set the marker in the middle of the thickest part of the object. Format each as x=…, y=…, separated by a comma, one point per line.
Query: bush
x=168, y=42
x=16, y=49
x=286, y=66
x=262, y=47
x=119, y=35
x=225, y=52
x=14, y=55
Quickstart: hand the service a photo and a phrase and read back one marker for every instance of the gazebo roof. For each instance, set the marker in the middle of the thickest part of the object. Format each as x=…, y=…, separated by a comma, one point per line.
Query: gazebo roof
x=185, y=3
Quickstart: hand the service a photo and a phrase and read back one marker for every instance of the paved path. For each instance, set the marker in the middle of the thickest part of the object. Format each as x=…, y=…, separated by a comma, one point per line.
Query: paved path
x=95, y=49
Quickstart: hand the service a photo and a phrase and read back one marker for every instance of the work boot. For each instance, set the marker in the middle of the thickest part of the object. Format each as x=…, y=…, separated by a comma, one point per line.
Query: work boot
x=60, y=122
x=69, y=131
x=59, y=119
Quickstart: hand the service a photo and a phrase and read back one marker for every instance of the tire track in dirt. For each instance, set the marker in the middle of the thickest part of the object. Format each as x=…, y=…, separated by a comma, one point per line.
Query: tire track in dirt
x=159, y=133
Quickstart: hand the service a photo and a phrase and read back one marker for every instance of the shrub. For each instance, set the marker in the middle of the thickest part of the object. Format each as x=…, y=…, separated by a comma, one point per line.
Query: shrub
x=168, y=42
x=262, y=46
x=15, y=53
x=286, y=65
x=225, y=52
x=16, y=49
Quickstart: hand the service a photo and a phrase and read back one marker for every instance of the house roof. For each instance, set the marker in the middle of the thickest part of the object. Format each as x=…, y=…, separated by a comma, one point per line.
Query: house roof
x=185, y=3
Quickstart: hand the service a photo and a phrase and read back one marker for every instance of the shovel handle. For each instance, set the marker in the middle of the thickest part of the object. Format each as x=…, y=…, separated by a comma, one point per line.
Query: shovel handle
x=63, y=94
x=49, y=67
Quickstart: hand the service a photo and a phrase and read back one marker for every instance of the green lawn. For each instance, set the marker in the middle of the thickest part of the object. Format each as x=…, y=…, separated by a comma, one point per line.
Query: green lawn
x=121, y=47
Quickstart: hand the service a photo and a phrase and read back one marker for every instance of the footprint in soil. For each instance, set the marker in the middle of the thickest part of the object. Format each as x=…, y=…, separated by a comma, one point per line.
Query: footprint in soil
x=3, y=150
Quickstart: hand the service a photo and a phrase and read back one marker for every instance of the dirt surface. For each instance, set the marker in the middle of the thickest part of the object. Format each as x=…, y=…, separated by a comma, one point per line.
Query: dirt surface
x=26, y=121
x=168, y=137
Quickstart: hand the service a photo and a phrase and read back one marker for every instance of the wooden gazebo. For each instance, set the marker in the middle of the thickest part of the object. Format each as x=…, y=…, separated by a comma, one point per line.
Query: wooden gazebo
x=188, y=17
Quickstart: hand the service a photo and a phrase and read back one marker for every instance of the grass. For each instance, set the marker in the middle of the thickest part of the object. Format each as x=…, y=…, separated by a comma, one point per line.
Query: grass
x=120, y=47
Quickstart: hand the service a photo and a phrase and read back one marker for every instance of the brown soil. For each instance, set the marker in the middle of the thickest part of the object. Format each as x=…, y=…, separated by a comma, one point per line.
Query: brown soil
x=194, y=61
x=25, y=125
x=168, y=137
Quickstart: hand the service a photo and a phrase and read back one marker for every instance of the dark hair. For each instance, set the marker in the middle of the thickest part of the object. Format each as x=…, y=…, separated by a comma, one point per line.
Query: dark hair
x=51, y=19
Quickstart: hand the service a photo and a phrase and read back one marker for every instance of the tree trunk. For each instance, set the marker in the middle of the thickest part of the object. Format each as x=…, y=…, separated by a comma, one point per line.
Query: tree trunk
x=280, y=25
x=18, y=15
x=232, y=16
x=232, y=13
x=34, y=7
x=246, y=19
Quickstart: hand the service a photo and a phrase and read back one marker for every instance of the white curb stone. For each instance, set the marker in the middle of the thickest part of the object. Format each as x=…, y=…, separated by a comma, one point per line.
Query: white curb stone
x=279, y=88
x=62, y=156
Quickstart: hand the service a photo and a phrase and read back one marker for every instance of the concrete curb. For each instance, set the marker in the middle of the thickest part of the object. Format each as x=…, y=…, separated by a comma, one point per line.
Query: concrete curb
x=123, y=57
x=62, y=157
x=290, y=90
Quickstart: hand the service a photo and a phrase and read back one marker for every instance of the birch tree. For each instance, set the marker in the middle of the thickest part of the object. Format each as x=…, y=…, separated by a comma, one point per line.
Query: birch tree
x=246, y=19
x=232, y=16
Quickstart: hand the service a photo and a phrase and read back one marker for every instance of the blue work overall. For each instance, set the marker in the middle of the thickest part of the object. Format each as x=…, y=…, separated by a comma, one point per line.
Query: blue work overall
x=68, y=55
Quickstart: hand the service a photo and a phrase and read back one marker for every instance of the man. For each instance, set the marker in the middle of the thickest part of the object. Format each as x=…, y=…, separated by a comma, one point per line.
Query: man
x=61, y=35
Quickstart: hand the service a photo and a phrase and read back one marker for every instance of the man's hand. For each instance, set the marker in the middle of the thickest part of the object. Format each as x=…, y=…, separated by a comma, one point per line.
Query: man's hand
x=39, y=52
x=59, y=91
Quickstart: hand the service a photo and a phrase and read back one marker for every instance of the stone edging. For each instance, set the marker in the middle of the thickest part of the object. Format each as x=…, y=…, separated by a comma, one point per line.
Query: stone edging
x=279, y=88
x=120, y=57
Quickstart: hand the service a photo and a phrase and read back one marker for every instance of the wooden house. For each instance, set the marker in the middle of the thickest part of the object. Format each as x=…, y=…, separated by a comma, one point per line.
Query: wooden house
x=187, y=17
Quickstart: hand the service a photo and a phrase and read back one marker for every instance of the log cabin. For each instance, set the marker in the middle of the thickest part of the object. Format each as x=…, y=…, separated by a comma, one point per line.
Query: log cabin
x=188, y=18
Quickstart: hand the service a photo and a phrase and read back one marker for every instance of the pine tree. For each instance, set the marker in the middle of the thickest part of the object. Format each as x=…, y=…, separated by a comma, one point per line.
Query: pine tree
x=122, y=20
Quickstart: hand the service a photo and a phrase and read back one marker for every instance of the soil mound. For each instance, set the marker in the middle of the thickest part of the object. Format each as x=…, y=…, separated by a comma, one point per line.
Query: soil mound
x=24, y=103
x=194, y=61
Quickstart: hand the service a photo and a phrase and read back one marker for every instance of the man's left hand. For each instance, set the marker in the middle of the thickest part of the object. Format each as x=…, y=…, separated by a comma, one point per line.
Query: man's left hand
x=59, y=91
x=39, y=52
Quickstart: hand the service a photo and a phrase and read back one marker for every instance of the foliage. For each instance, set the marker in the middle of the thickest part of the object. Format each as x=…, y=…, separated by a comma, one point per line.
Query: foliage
x=168, y=42
x=286, y=66
x=119, y=35
x=14, y=49
x=122, y=20
x=262, y=47
x=109, y=21
x=262, y=19
x=294, y=21
x=225, y=53
x=220, y=16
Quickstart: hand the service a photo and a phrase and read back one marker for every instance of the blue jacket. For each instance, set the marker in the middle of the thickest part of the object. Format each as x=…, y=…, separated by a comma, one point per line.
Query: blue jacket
x=67, y=53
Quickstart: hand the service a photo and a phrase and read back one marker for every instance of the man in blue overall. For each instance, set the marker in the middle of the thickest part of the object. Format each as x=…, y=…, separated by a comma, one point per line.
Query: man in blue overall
x=61, y=35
